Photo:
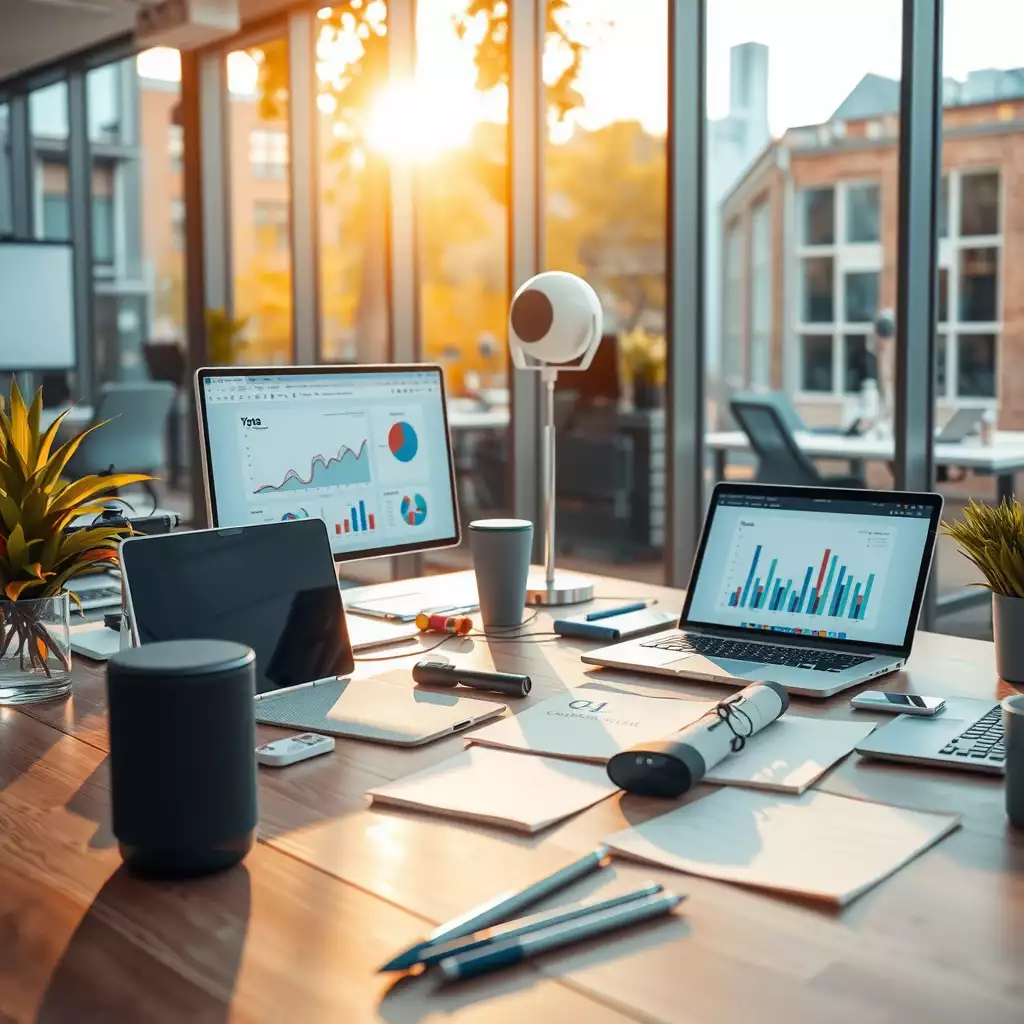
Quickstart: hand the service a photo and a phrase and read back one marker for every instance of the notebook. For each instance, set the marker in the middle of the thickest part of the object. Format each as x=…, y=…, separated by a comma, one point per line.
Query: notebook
x=517, y=791
x=818, y=845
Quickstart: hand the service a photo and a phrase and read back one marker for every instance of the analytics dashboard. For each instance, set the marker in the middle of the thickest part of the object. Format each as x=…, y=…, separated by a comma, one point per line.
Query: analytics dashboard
x=367, y=452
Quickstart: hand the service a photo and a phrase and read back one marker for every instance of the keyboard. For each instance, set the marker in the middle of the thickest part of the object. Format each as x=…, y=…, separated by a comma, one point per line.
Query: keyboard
x=769, y=654
x=982, y=741
x=99, y=597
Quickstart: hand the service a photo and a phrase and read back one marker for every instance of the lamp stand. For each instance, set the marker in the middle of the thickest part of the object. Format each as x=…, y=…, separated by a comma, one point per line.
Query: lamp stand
x=554, y=587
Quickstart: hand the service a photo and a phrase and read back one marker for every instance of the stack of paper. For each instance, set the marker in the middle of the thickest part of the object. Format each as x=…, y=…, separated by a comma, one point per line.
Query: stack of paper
x=819, y=845
x=592, y=725
x=521, y=792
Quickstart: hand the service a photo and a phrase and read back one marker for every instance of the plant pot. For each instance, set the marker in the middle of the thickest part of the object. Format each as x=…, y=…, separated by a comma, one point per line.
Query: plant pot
x=35, y=649
x=647, y=395
x=1008, y=633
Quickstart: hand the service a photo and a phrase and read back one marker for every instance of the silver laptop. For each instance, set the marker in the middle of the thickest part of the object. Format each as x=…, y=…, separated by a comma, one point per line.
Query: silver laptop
x=815, y=587
x=967, y=733
x=961, y=424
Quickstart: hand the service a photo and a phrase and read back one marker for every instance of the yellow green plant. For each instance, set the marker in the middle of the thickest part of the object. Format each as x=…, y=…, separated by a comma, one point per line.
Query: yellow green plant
x=37, y=556
x=224, y=341
x=643, y=355
x=992, y=537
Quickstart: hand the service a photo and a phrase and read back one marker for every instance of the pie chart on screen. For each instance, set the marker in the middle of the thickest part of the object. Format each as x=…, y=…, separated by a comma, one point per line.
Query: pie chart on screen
x=414, y=509
x=403, y=442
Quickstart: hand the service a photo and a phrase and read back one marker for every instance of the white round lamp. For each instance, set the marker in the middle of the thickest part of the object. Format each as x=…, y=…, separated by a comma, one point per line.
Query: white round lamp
x=554, y=325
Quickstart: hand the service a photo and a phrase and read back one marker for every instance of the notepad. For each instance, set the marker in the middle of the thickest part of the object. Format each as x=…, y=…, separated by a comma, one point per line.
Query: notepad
x=516, y=791
x=818, y=845
x=791, y=754
x=590, y=725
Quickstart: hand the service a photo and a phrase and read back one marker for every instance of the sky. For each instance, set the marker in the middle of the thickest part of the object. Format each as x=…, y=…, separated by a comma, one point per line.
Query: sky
x=818, y=51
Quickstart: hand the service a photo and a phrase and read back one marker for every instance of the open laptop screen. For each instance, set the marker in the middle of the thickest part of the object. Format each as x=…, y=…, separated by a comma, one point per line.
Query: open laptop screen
x=364, y=448
x=813, y=562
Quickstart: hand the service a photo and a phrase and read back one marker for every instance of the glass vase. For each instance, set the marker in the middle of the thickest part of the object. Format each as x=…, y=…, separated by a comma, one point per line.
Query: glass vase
x=35, y=649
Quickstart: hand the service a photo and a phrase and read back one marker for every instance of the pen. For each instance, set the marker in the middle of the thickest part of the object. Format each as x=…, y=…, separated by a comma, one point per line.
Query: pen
x=500, y=909
x=561, y=915
x=607, y=613
x=507, y=952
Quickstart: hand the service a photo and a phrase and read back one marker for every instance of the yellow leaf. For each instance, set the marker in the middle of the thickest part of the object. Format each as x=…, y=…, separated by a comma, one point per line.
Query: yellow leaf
x=19, y=420
x=92, y=486
x=46, y=442
x=14, y=589
x=17, y=548
x=34, y=413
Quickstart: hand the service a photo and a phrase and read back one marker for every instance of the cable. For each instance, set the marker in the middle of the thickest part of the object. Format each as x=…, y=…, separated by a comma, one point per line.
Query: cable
x=411, y=654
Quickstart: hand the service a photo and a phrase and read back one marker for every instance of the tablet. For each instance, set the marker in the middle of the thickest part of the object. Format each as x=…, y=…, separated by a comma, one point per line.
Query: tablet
x=271, y=587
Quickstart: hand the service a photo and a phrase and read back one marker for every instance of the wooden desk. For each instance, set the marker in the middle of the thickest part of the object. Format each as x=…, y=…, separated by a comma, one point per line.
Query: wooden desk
x=334, y=888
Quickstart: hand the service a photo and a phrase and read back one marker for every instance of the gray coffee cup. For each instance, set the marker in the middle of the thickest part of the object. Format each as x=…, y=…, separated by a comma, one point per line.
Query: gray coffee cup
x=1013, y=737
x=501, y=559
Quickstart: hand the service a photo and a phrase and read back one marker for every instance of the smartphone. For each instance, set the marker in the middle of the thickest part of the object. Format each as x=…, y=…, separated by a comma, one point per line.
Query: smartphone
x=898, y=703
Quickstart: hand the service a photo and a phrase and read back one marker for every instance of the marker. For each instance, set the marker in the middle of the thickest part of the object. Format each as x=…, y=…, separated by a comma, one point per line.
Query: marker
x=507, y=952
x=607, y=613
x=500, y=909
x=443, y=950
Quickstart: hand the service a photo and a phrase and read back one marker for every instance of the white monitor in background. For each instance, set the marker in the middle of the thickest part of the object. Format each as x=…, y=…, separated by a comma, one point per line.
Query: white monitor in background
x=37, y=309
x=365, y=448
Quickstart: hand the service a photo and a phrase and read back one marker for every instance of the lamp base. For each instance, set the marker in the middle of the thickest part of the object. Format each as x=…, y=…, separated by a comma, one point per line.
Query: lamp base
x=568, y=588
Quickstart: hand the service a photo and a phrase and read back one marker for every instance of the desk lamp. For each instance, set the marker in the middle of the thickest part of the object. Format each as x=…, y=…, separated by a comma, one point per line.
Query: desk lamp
x=554, y=325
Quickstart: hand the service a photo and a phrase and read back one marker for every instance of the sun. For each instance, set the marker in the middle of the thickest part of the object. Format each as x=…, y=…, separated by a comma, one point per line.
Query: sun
x=418, y=122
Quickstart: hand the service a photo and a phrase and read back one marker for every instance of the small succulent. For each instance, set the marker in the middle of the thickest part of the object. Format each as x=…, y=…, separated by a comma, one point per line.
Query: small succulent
x=992, y=537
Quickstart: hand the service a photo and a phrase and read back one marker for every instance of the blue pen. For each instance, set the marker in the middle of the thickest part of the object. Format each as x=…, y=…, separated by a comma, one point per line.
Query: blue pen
x=507, y=952
x=607, y=613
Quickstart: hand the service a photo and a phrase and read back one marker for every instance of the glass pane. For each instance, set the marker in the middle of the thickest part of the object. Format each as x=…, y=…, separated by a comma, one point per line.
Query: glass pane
x=604, y=209
x=103, y=103
x=732, y=309
x=976, y=366
x=48, y=112
x=818, y=305
x=818, y=216
x=944, y=206
x=53, y=221
x=979, y=275
x=859, y=362
x=861, y=297
x=103, y=228
x=260, y=203
x=862, y=203
x=943, y=295
x=941, y=346
x=816, y=362
x=5, y=171
x=351, y=71
x=979, y=204
x=760, y=296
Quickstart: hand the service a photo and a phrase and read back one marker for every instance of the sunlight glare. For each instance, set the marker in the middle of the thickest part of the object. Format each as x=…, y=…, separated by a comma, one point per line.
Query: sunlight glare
x=418, y=123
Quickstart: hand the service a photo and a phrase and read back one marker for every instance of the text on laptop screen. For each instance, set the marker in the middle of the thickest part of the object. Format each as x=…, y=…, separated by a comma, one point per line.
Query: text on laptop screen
x=846, y=570
x=366, y=452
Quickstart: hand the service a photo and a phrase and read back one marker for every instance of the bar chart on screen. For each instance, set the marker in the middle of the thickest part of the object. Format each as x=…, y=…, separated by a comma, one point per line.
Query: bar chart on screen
x=805, y=572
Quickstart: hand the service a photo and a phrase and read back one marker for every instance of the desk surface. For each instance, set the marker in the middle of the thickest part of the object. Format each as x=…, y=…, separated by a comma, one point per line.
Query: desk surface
x=334, y=888
x=1006, y=455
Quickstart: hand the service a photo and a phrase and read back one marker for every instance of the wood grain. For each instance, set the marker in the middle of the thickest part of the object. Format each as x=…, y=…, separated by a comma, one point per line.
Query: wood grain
x=942, y=940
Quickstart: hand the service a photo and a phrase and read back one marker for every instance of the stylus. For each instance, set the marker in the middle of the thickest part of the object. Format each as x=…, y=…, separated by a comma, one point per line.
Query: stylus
x=607, y=613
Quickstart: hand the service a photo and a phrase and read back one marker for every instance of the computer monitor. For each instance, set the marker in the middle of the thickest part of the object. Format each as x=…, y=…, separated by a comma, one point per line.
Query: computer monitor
x=365, y=448
x=37, y=306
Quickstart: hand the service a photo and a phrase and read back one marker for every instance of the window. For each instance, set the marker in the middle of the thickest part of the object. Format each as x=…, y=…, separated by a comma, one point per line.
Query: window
x=818, y=216
x=103, y=229
x=976, y=365
x=859, y=362
x=178, y=224
x=103, y=95
x=271, y=219
x=56, y=225
x=818, y=292
x=5, y=173
x=941, y=356
x=979, y=204
x=176, y=147
x=862, y=201
x=816, y=350
x=761, y=295
x=732, y=313
x=979, y=270
x=943, y=227
x=268, y=153
x=861, y=296
x=48, y=112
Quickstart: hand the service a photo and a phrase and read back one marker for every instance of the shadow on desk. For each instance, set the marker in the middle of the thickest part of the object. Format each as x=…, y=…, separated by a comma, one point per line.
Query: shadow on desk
x=143, y=953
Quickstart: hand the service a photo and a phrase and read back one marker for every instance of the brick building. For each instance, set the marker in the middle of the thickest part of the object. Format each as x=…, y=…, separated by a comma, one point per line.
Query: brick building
x=809, y=252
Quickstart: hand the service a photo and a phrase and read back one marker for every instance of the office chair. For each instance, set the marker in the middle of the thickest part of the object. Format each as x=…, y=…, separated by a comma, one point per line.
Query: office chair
x=133, y=440
x=780, y=458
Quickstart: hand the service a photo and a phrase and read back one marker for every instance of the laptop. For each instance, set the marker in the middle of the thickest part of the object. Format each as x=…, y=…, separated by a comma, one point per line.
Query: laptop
x=817, y=588
x=967, y=734
x=961, y=424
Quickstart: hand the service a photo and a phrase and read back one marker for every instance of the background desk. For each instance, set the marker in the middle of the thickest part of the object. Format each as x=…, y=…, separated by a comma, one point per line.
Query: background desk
x=334, y=888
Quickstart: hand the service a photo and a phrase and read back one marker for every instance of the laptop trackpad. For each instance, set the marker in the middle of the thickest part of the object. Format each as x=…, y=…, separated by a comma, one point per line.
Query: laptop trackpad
x=718, y=668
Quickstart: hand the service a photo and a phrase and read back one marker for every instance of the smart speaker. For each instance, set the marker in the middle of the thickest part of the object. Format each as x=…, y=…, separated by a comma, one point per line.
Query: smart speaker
x=183, y=755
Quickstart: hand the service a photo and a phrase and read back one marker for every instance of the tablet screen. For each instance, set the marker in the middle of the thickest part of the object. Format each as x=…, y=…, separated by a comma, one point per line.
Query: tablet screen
x=271, y=587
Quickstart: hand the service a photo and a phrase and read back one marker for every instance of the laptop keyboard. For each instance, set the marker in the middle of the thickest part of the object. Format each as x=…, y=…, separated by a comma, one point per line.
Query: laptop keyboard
x=982, y=742
x=771, y=654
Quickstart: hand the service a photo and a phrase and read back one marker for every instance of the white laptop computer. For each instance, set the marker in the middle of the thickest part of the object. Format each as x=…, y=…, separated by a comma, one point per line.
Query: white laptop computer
x=817, y=588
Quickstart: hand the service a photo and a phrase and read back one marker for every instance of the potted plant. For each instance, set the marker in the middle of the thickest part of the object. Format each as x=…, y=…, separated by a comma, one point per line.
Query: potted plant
x=224, y=337
x=37, y=557
x=992, y=537
x=644, y=357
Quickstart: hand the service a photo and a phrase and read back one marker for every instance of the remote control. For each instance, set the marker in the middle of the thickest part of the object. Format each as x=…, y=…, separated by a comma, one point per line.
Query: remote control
x=278, y=753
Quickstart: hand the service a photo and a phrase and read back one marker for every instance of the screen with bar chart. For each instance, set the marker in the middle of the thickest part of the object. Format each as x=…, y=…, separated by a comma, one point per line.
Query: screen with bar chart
x=842, y=570
x=366, y=451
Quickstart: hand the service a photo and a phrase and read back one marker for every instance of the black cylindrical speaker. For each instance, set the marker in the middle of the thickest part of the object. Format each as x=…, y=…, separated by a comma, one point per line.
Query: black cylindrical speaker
x=183, y=755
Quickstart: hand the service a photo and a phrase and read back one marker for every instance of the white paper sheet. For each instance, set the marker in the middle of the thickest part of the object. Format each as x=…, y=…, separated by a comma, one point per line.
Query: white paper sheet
x=519, y=791
x=818, y=845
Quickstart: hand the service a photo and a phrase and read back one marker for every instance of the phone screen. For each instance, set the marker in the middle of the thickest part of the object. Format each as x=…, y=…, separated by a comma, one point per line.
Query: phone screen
x=912, y=700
